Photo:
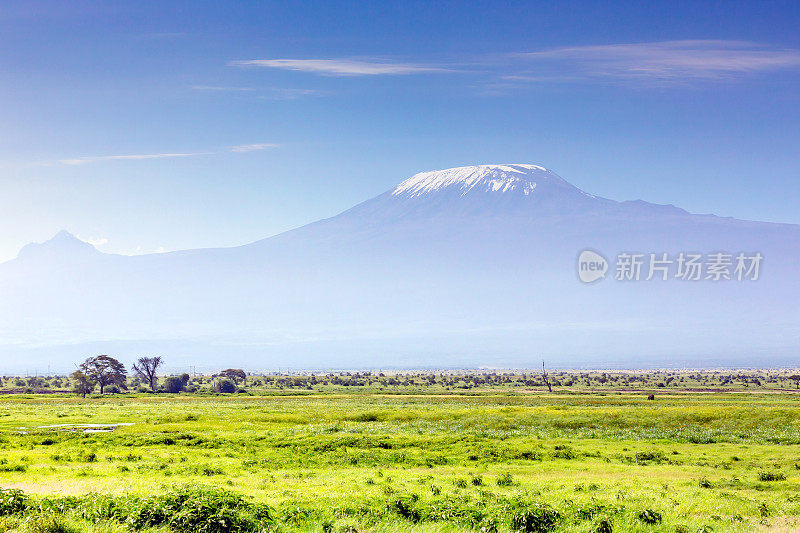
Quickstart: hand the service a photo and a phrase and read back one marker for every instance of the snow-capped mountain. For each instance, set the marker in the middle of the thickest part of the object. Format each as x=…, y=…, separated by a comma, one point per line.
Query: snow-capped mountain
x=465, y=266
x=517, y=179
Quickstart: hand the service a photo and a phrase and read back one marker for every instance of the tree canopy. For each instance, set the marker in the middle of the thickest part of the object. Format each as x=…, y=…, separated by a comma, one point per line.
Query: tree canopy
x=105, y=370
x=236, y=374
x=146, y=368
x=83, y=384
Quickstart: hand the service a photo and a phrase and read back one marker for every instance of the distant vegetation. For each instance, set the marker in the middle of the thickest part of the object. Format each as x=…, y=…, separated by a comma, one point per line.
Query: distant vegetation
x=108, y=375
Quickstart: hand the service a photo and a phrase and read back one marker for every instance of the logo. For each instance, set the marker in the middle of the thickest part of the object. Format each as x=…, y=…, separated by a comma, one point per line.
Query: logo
x=591, y=266
x=684, y=266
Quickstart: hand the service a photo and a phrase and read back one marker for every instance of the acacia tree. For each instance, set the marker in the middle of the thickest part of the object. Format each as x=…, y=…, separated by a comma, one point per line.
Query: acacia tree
x=146, y=368
x=796, y=379
x=105, y=370
x=83, y=383
x=236, y=374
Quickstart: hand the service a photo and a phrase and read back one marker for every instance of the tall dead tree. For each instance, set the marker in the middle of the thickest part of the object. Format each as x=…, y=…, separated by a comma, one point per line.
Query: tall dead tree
x=544, y=378
x=146, y=368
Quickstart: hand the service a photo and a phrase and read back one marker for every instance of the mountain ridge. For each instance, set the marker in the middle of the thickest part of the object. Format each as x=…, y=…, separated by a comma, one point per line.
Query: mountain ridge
x=486, y=277
x=517, y=178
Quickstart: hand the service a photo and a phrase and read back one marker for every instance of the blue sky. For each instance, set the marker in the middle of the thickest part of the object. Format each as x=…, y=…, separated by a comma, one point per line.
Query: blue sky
x=168, y=125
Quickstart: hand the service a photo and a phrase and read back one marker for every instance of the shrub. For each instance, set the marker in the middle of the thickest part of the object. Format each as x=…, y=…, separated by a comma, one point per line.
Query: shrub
x=12, y=501
x=189, y=508
x=199, y=509
x=405, y=508
x=112, y=389
x=539, y=519
x=45, y=524
x=174, y=385
x=90, y=457
x=649, y=516
x=225, y=386
x=771, y=476
x=563, y=452
x=13, y=468
x=603, y=526
x=655, y=456
x=763, y=510
x=506, y=480
x=529, y=456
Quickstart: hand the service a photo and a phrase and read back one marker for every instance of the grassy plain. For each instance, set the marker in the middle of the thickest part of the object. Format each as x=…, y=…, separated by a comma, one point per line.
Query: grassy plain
x=419, y=458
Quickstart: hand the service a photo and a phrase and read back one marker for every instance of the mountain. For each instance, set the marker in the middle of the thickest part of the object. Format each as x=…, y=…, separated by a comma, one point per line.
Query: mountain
x=471, y=266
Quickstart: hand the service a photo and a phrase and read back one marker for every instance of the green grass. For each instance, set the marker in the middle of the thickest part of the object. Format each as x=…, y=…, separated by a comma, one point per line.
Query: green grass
x=481, y=459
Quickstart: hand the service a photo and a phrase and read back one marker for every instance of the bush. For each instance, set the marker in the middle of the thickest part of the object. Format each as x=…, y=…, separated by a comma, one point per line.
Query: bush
x=174, y=385
x=405, y=508
x=12, y=501
x=199, y=509
x=771, y=476
x=112, y=389
x=539, y=519
x=603, y=526
x=225, y=386
x=13, y=468
x=189, y=508
x=45, y=524
x=506, y=480
x=649, y=516
x=563, y=452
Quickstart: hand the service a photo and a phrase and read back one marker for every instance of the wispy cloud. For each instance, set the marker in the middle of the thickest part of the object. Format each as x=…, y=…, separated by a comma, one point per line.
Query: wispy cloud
x=138, y=157
x=666, y=61
x=342, y=67
x=252, y=147
x=135, y=157
x=96, y=241
x=277, y=93
x=141, y=250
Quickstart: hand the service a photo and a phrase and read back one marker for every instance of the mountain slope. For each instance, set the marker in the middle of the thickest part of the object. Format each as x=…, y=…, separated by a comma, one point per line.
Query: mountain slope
x=466, y=266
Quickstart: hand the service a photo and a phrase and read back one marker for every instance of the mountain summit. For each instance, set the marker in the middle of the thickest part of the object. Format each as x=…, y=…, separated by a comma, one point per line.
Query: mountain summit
x=507, y=178
x=510, y=189
x=63, y=245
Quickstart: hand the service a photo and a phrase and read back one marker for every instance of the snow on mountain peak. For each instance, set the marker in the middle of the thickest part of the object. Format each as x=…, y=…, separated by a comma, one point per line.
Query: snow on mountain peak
x=520, y=178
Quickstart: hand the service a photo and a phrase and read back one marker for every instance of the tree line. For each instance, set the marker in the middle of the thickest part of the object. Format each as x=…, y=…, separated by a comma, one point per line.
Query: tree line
x=104, y=371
